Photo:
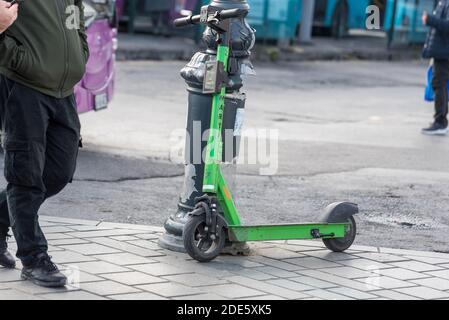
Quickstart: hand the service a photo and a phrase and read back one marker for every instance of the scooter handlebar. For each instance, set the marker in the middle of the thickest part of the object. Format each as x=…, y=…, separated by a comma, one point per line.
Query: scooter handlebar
x=232, y=13
x=222, y=15
x=187, y=21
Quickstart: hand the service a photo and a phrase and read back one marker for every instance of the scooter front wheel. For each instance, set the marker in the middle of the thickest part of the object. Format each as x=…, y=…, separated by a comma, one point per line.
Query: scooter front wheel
x=198, y=243
x=342, y=244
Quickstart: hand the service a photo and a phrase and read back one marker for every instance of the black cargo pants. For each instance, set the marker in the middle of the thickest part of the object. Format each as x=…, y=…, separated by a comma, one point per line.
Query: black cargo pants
x=41, y=136
x=439, y=85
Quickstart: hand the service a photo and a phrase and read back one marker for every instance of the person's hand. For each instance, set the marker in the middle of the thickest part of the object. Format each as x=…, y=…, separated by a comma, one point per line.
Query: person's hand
x=8, y=14
x=425, y=16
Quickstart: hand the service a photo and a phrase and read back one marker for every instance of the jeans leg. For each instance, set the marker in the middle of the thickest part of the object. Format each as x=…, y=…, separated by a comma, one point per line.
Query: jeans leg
x=25, y=120
x=439, y=84
x=4, y=212
x=63, y=136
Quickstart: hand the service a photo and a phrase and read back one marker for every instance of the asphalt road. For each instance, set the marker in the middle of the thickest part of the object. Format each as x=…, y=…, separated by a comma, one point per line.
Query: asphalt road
x=347, y=131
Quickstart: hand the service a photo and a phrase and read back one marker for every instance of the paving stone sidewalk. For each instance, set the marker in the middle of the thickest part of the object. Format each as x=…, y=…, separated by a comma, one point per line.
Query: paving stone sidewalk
x=121, y=261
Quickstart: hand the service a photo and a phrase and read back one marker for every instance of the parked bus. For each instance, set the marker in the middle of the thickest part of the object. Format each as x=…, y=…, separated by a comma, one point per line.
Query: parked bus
x=96, y=89
x=403, y=17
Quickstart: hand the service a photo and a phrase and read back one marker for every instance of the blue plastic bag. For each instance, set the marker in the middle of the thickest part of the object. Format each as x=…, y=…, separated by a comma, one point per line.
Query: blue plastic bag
x=429, y=94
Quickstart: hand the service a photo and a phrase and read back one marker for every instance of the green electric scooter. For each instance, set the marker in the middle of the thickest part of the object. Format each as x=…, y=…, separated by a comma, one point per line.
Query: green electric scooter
x=215, y=219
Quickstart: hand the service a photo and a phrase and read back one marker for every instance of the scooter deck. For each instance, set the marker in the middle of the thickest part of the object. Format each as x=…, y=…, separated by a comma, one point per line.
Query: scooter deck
x=287, y=232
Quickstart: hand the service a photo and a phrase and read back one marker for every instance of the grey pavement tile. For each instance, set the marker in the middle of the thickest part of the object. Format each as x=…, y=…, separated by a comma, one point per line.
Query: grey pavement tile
x=214, y=269
x=199, y=297
x=88, y=228
x=365, y=264
x=440, y=274
x=348, y=272
x=67, y=241
x=124, y=246
x=431, y=260
x=137, y=296
x=56, y=229
x=393, y=295
x=72, y=295
x=386, y=282
x=133, y=278
x=124, y=238
x=327, y=295
x=401, y=274
x=141, y=227
x=349, y=292
x=7, y=275
x=313, y=282
x=56, y=236
x=160, y=269
x=355, y=248
x=52, y=248
x=145, y=244
x=330, y=256
x=124, y=258
x=267, y=297
x=275, y=263
x=90, y=249
x=104, y=233
x=277, y=253
x=107, y=287
x=78, y=276
x=415, y=253
x=147, y=236
x=68, y=220
x=44, y=223
x=338, y=280
x=312, y=263
x=195, y=280
x=170, y=289
x=235, y=291
x=100, y=267
x=253, y=274
x=434, y=283
x=289, y=284
x=31, y=288
x=445, y=265
x=65, y=257
x=280, y=273
x=11, y=294
x=381, y=257
x=424, y=293
x=416, y=266
x=240, y=261
x=266, y=287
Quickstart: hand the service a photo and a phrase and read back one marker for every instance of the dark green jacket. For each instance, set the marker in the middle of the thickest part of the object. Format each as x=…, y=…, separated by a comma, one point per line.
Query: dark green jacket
x=43, y=49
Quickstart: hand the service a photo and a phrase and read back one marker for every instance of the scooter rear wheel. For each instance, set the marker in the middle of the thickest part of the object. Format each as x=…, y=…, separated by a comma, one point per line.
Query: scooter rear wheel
x=342, y=244
x=197, y=242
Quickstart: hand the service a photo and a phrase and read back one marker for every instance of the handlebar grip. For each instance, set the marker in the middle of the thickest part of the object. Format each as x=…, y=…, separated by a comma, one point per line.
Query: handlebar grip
x=183, y=22
x=232, y=13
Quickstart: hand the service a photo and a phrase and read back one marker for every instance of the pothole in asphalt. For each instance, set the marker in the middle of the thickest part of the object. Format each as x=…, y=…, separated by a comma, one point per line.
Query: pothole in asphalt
x=402, y=220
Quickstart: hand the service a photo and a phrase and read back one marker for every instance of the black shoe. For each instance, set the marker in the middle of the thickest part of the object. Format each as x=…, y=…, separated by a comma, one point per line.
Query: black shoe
x=435, y=129
x=6, y=259
x=44, y=272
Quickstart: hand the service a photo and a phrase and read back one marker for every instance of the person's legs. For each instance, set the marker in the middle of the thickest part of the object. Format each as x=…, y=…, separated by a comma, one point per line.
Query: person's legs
x=62, y=140
x=25, y=120
x=63, y=137
x=439, y=84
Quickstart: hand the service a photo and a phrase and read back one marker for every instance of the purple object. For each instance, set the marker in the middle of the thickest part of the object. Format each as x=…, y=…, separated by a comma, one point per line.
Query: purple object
x=120, y=5
x=96, y=89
